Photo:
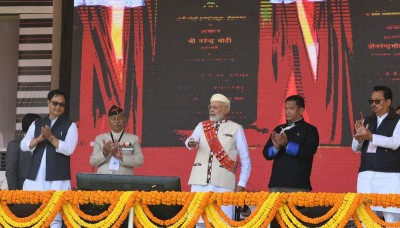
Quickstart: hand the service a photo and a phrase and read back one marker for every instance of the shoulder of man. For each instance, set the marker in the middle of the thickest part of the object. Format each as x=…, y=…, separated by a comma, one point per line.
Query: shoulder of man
x=313, y=127
x=234, y=123
x=13, y=144
x=16, y=140
x=65, y=120
x=103, y=135
x=130, y=135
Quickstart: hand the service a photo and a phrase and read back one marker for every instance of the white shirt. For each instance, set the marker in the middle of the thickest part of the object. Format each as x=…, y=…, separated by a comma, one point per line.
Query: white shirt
x=65, y=147
x=380, y=182
x=392, y=142
x=241, y=147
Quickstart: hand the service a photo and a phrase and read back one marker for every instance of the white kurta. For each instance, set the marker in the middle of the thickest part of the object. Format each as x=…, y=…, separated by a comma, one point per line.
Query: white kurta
x=65, y=147
x=380, y=182
x=241, y=147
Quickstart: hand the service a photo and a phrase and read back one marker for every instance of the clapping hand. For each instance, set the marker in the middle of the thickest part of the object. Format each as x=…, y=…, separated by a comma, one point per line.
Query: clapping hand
x=275, y=140
x=362, y=132
x=359, y=123
x=41, y=138
x=279, y=140
x=108, y=147
x=117, y=151
x=46, y=132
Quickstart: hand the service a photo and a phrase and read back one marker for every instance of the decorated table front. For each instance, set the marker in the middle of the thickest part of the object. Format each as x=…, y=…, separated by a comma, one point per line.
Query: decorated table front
x=267, y=206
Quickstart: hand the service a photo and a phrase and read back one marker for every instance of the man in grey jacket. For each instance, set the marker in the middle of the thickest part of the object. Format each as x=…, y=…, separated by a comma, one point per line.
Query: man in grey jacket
x=116, y=152
x=17, y=161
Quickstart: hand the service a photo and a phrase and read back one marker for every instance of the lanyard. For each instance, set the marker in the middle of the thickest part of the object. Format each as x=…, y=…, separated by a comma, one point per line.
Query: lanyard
x=120, y=137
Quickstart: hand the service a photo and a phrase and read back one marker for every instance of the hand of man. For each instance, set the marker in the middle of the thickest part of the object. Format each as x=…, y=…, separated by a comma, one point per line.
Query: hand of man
x=239, y=188
x=359, y=124
x=117, y=151
x=192, y=143
x=360, y=130
x=274, y=140
x=41, y=138
x=282, y=139
x=363, y=133
x=46, y=131
x=107, y=147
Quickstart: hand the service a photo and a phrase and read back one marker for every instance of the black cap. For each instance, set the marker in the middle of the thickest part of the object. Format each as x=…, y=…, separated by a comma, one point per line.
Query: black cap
x=114, y=110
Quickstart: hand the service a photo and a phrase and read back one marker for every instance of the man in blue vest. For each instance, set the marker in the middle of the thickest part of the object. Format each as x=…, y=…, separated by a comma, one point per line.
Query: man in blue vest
x=378, y=138
x=51, y=140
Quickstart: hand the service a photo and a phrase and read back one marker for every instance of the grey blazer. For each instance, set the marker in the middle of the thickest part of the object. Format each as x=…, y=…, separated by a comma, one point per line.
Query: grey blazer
x=17, y=164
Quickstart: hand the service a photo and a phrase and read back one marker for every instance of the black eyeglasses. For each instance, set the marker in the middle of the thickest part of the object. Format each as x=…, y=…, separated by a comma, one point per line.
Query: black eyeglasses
x=55, y=104
x=377, y=101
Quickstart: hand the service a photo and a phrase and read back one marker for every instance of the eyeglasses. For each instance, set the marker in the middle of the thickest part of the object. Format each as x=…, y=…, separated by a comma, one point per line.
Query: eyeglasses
x=377, y=101
x=55, y=104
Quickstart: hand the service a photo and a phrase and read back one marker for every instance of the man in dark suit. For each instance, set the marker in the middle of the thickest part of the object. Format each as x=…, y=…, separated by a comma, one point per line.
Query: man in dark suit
x=17, y=161
x=292, y=147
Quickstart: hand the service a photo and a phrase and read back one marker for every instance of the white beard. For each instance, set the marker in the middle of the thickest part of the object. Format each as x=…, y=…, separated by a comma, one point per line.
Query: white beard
x=217, y=118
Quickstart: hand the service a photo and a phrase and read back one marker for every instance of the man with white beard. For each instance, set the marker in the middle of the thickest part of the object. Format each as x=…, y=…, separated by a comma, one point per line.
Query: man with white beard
x=219, y=142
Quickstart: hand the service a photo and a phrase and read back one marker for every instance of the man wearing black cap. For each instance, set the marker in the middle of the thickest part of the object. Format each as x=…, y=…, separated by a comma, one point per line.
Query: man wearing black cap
x=116, y=152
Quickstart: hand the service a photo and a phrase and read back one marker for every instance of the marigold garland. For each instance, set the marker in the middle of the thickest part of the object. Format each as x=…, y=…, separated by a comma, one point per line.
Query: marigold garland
x=280, y=221
x=274, y=212
x=43, y=218
x=25, y=197
x=215, y=214
x=267, y=211
x=171, y=198
x=342, y=216
x=384, y=200
x=352, y=210
x=286, y=219
x=336, y=201
x=9, y=213
x=74, y=219
x=268, y=205
x=339, y=219
x=365, y=219
x=142, y=220
x=206, y=221
x=250, y=198
x=197, y=210
x=262, y=197
x=357, y=221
